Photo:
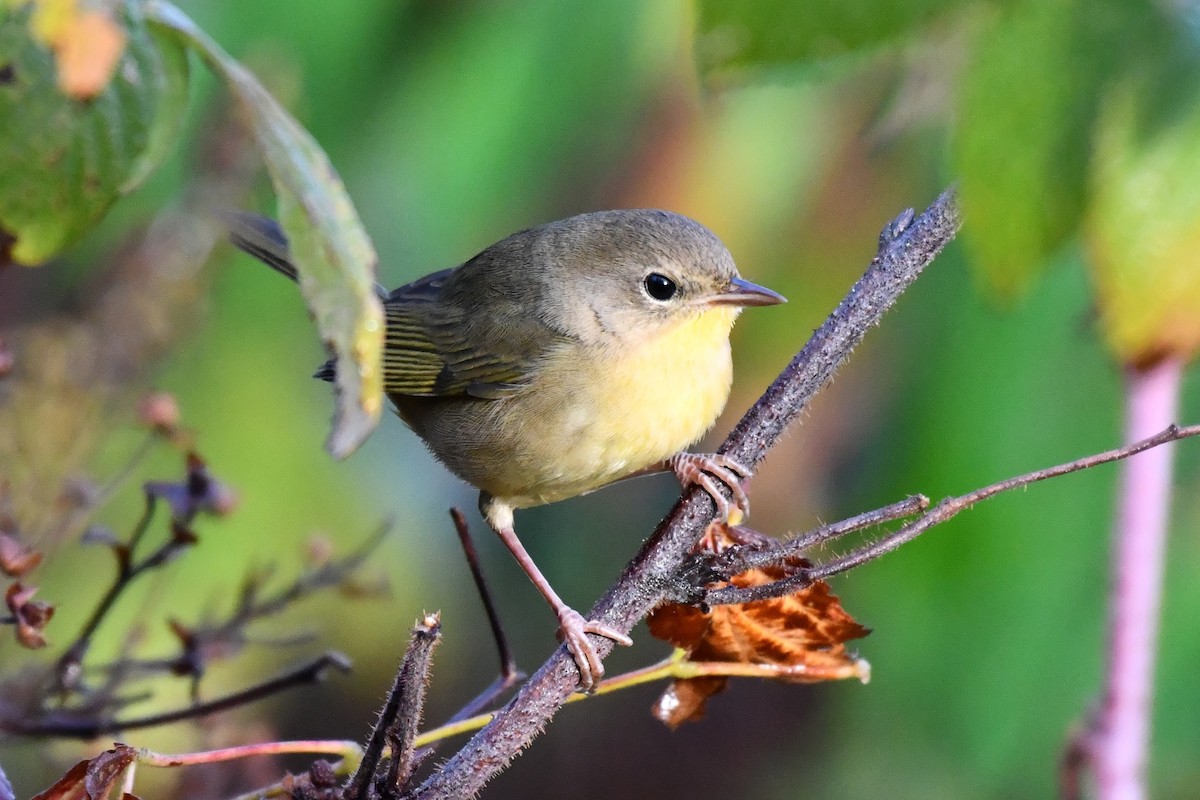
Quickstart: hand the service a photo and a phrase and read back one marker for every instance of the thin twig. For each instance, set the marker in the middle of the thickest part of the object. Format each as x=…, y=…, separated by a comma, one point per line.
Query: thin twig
x=69, y=526
x=676, y=666
x=348, y=750
x=332, y=573
x=906, y=246
x=68, y=726
x=704, y=568
x=229, y=635
x=128, y=570
x=510, y=675
x=940, y=513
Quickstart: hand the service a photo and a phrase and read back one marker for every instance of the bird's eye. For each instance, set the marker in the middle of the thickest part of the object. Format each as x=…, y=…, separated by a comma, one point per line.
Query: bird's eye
x=660, y=287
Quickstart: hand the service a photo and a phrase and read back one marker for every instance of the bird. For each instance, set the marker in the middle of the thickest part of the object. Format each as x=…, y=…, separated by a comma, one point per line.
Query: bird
x=562, y=359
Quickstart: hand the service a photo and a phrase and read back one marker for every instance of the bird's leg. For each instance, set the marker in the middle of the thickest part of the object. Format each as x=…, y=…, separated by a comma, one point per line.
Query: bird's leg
x=701, y=468
x=573, y=628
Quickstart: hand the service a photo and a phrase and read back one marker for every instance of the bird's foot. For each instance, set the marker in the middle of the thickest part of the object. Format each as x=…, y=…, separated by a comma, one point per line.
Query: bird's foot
x=700, y=469
x=573, y=630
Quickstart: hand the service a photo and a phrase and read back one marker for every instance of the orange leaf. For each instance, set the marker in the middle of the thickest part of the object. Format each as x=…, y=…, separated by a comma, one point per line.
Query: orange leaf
x=684, y=700
x=801, y=636
x=88, y=49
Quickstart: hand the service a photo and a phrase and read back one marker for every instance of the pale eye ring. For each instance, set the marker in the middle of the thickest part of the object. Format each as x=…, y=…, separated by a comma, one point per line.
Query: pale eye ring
x=659, y=286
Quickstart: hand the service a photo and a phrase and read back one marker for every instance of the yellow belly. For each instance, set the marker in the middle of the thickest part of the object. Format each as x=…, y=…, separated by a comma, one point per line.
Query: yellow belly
x=623, y=412
x=589, y=418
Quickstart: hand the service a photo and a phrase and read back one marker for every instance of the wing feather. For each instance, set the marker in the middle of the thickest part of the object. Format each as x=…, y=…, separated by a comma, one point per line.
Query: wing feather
x=436, y=348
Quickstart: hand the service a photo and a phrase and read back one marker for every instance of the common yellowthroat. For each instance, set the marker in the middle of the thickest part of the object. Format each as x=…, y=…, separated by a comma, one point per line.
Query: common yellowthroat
x=561, y=359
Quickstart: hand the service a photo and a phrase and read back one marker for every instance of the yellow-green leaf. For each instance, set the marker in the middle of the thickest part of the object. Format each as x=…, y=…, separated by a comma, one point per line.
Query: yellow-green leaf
x=331, y=249
x=1143, y=227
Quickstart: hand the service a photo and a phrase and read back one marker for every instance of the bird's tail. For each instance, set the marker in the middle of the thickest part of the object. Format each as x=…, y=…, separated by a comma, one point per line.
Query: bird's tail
x=264, y=239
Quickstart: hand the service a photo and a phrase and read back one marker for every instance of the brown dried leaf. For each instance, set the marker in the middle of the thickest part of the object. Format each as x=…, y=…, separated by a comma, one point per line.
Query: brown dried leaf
x=684, y=700
x=15, y=558
x=802, y=634
x=93, y=779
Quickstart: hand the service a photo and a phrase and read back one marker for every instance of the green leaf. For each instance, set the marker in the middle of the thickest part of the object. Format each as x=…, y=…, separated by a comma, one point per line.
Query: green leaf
x=1143, y=226
x=63, y=161
x=331, y=250
x=1026, y=124
x=1022, y=142
x=765, y=33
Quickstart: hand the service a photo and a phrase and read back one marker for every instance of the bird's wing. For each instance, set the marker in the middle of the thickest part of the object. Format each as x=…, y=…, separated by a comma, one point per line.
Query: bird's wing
x=438, y=349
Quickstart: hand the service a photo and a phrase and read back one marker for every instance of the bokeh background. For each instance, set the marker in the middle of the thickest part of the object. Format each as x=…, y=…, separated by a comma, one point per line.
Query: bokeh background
x=456, y=123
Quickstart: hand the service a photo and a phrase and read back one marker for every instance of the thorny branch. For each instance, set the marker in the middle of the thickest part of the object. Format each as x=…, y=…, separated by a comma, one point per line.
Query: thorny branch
x=397, y=724
x=906, y=246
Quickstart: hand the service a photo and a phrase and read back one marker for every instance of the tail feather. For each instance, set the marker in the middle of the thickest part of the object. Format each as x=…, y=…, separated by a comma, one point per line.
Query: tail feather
x=326, y=372
x=262, y=238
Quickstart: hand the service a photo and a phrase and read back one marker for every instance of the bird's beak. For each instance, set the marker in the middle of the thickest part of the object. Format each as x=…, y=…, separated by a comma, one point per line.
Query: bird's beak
x=745, y=293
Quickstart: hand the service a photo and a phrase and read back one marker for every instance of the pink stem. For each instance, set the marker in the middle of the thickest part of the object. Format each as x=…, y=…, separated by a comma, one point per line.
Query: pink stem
x=1122, y=732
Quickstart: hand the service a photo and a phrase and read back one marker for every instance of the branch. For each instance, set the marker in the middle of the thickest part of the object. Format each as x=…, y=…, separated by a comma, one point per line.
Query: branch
x=706, y=567
x=397, y=724
x=67, y=725
x=943, y=511
x=906, y=246
x=510, y=674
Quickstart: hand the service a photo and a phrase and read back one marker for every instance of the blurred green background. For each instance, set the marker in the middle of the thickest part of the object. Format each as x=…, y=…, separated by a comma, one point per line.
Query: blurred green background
x=455, y=123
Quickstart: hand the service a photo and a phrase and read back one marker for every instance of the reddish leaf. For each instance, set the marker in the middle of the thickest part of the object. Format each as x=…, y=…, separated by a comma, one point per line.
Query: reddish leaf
x=159, y=411
x=15, y=558
x=803, y=634
x=93, y=779
x=684, y=700
x=31, y=616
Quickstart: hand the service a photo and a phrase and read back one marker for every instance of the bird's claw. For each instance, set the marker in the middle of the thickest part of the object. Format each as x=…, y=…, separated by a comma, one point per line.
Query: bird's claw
x=573, y=630
x=700, y=469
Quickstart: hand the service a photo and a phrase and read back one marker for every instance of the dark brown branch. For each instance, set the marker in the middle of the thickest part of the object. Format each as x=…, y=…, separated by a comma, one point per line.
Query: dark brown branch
x=510, y=675
x=940, y=513
x=401, y=714
x=68, y=668
x=68, y=726
x=906, y=246
x=508, y=664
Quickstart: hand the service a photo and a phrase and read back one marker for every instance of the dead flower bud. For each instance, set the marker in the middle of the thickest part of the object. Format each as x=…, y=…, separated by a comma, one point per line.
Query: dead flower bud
x=200, y=492
x=102, y=536
x=15, y=558
x=318, y=551
x=31, y=615
x=159, y=411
